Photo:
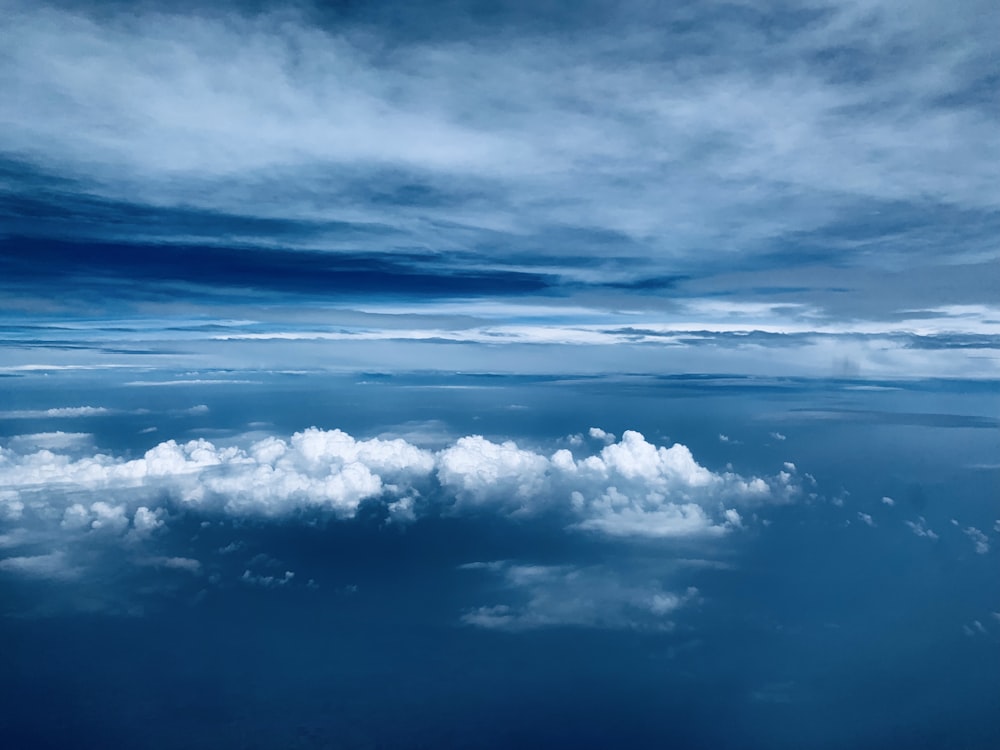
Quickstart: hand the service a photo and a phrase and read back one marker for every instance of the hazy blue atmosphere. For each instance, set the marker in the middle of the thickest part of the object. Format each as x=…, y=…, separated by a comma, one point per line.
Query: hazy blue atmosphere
x=489, y=375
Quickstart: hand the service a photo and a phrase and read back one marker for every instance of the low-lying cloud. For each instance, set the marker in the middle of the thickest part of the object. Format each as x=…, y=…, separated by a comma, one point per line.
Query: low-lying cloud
x=566, y=595
x=627, y=488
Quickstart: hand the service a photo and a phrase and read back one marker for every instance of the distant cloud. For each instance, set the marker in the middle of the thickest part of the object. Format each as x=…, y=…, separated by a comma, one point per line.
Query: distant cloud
x=572, y=596
x=53, y=565
x=183, y=564
x=631, y=486
x=598, y=434
x=888, y=501
x=267, y=581
x=627, y=489
x=199, y=382
x=980, y=541
x=919, y=527
x=49, y=440
x=65, y=412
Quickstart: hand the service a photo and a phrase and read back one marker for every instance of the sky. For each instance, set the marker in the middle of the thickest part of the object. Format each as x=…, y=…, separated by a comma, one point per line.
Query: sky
x=465, y=374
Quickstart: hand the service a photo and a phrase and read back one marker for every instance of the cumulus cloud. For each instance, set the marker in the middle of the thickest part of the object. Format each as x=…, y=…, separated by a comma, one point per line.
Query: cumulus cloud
x=316, y=468
x=866, y=519
x=627, y=488
x=598, y=434
x=146, y=521
x=919, y=527
x=479, y=471
x=571, y=596
x=888, y=501
x=980, y=541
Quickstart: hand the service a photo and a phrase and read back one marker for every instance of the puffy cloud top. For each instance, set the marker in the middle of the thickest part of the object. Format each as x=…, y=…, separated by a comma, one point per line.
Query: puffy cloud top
x=629, y=488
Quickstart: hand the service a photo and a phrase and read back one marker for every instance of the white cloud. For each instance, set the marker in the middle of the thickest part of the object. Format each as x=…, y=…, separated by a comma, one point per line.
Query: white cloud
x=615, y=515
x=479, y=471
x=163, y=383
x=919, y=527
x=402, y=510
x=316, y=469
x=108, y=517
x=598, y=434
x=563, y=595
x=866, y=518
x=628, y=488
x=888, y=501
x=146, y=521
x=980, y=541
x=99, y=516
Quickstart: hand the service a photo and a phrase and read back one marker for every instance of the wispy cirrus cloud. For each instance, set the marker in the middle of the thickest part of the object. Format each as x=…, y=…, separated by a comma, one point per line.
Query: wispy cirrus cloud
x=681, y=131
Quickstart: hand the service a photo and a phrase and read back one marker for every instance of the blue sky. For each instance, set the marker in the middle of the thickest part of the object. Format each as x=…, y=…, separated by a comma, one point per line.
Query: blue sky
x=584, y=373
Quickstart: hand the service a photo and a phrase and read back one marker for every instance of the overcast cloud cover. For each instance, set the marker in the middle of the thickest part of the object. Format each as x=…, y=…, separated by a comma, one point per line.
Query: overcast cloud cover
x=554, y=374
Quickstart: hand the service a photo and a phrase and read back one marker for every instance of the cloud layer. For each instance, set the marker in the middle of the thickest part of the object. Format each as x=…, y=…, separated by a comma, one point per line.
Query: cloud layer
x=656, y=130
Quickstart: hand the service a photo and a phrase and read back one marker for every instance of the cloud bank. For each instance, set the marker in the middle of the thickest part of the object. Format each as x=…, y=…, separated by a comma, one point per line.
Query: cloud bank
x=628, y=488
